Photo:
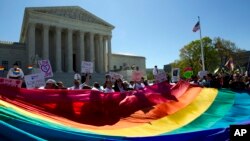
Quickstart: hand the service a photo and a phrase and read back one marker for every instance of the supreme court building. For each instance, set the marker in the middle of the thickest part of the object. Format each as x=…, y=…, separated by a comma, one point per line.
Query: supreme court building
x=66, y=36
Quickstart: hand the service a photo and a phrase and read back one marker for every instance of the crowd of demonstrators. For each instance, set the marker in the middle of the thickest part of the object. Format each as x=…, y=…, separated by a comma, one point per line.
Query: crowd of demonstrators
x=234, y=81
x=110, y=86
x=82, y=82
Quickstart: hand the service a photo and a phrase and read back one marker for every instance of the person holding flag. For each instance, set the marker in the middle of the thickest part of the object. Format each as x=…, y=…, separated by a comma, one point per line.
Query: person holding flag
x=15, y=72
x=230, y=64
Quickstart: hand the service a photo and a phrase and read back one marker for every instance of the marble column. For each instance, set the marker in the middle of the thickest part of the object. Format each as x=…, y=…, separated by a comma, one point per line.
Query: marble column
x=105, y=55
x=92, y=49
x=101, y=54
x=80, y=48
x=69, y=57
x=45, y=42
x=31, y=43
x=97, y=53
x=109, y=53
x=58, y=49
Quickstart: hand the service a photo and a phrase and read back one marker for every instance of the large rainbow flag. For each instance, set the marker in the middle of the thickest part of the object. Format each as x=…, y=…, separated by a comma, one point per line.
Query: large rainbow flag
x=159, y=112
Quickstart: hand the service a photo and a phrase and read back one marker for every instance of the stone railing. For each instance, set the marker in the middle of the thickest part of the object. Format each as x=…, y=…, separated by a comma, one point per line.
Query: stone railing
x=6, y=42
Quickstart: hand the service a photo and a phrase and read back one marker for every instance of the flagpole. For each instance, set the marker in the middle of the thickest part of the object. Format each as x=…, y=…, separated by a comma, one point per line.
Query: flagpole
x=202, y=51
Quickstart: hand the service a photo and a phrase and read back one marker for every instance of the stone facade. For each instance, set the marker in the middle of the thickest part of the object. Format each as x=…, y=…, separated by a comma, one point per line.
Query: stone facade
x=121, y=62
x=66, y=36
x=10, y=53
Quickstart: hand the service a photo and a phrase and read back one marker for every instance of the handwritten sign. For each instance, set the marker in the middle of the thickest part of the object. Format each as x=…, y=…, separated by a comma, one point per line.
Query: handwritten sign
x=11, y=82
x=45, y=68
x=201, y=74
x=115, y=75
x=34, y=80
x=137, y=75
x=160, y=77
x=87, y=67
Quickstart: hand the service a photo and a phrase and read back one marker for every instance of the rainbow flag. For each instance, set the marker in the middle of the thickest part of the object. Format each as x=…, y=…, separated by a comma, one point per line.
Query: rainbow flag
x=159, y=112
x=1, y=68
x=30, y=67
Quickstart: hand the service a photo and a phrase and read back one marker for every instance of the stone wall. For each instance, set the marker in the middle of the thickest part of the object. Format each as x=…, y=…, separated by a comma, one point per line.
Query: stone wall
x=121, y=62
x=11, y=52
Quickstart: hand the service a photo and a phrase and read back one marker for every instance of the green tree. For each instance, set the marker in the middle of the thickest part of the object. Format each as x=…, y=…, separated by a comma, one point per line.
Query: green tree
x=150, y=75
x=226, y=49
x=216, y=53
x=190, y=55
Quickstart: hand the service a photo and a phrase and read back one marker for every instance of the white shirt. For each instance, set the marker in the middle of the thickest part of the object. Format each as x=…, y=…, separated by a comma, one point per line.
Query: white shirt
x=75, y=88
x=15, y=73
x=96, y=89
x=108, y=90
x=139, y=86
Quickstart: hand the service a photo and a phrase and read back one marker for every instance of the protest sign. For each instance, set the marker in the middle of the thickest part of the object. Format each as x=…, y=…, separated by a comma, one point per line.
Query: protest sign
x=87, y=67
x=45, y=68
x=34, y=80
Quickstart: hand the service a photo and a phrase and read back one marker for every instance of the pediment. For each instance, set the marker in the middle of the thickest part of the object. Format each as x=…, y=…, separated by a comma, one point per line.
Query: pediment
x=72, y=12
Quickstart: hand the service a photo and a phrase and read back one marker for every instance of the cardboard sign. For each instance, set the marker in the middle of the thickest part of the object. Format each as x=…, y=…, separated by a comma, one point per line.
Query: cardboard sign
x=115, y=76
x=11, y=82
x=45, y=68
x=34, y=80
x=87, y=67
x=137, y=75
x=160, y=77
x=175, y=74
x=201, y=74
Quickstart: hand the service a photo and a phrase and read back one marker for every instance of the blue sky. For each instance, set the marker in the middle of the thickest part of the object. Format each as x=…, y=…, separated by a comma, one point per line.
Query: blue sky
x=155, y=29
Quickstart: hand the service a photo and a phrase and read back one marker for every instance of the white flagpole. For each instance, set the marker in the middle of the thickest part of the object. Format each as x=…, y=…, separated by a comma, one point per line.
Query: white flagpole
x=202, y=51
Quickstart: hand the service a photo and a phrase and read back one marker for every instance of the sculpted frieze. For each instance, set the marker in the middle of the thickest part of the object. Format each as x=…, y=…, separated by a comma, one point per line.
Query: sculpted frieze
x=74, y=14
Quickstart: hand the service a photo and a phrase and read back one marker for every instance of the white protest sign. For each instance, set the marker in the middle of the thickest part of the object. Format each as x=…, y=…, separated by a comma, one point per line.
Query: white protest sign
x=115, y=75
x=45, y=68
x=87, y=67
x=201, y=74
x=160, y=77
x=137, y=75
x=34, y=80
x=11, y=82
x=175, y=74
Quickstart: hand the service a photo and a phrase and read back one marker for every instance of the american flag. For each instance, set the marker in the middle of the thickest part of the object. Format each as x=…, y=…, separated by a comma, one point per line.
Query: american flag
x=196, y=27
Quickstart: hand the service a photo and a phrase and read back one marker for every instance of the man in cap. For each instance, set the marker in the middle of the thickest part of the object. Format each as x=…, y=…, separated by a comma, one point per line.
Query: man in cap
x=50, y=84
x=77, y=85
